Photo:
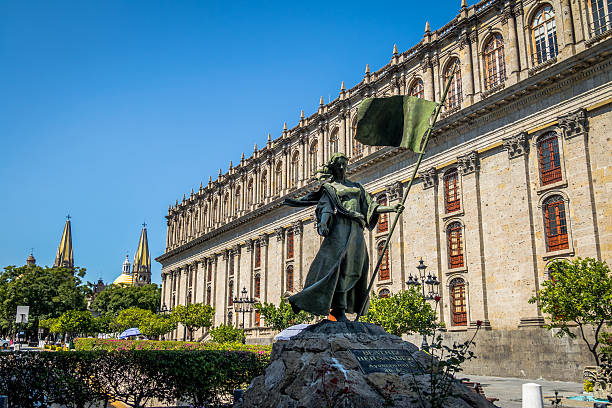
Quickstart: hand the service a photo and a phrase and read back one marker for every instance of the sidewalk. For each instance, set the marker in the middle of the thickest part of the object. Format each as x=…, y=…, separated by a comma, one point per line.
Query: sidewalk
x=509, y=390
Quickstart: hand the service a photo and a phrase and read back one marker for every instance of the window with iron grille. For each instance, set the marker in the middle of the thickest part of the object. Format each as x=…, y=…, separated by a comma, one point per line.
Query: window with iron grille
x=333, y=143
x=264, y=185
x=257, y=318
x=544, y=35
x=231, y=264
x=452, y=200
x=384, y=293
x=455, y=245
x=210, y=266
x=384, y=273
x=289, y=244
x=230, y=293
x=383, y=219
x=257, y=286
x=278, y=178
x=295, y=165
x=601, y=14
x=357, y=148
x=250, y=193
x=290, y=278
x=454, y=96
x=495, y=66
x=312, y=157
x=556, y=223
x=237, y=201
x=208, y=295
x=550, y=161
x=257, y=255
x=458, y=304
x=417, y=89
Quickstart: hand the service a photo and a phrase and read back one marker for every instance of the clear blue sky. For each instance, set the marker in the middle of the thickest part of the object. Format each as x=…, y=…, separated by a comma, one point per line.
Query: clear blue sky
x=111, y=110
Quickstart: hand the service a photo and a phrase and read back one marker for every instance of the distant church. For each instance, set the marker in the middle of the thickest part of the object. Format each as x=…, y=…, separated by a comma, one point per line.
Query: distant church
x=64, y=257
x=140, y=273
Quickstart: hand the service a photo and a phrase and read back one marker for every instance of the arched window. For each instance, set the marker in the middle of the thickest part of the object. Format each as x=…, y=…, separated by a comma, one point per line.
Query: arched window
x=312, y=157
x=257, y=286
x=549, y=159
x=417, y=89
x=208, y=295
x=215, y=211
x=544, y=35
x=384, y=293
x=204, y=216
x=452, y=200
x=383, y=219
x=250, y=193
x=601, y=12
x=294, y=172
x=230, y=293
x=290, y=278
x=333, y=143
x=495, y=67
x=454, y=96
x=264, y=185
x=289, y=244
x=455, y=245
x=458, y=303
x=237, y=200
x=226, y=205
x=357, y=146
x=278, y=178
x=384, y=272
x=556, y=223
x=257, y=255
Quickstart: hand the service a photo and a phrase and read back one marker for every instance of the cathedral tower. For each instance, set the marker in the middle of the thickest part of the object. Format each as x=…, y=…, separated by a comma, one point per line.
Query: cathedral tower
x=64, y=256
x=141, y=268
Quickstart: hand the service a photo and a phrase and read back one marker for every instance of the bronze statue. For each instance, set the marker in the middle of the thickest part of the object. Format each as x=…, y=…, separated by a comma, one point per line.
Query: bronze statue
x=338, y=276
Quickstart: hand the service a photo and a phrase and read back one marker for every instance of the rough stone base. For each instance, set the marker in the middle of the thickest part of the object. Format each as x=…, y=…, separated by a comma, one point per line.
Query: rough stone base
x=317, y=369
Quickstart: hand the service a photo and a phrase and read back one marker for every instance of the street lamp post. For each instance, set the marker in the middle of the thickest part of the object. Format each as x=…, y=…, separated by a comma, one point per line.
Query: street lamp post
x=243, y=304
x=431, y=282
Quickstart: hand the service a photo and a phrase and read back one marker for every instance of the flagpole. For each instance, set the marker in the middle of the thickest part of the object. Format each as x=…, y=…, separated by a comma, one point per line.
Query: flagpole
x=414, y=172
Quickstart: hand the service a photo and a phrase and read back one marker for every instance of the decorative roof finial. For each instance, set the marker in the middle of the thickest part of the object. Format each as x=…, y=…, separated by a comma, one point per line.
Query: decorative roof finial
x=394, y=50
x=220, y=173
x=176, y=204
x=427, y=28
x=242, y=157
x=302, y=114
x=367, y=71
x=463, y=3
x=209, y=179
x=269, y=138
x=231, y=165
x=201, y=185
x=342, y=88
x=321, y=102
x=183, y=197
x=192, y=191
x=285, y=126
x=255, y=148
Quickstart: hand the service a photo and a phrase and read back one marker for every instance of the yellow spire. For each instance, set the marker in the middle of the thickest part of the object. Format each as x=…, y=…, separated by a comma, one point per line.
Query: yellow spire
x=64, y=257
x=141, y=267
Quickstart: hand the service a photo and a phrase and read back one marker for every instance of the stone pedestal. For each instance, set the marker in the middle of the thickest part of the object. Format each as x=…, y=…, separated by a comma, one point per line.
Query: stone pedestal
x=317, y=368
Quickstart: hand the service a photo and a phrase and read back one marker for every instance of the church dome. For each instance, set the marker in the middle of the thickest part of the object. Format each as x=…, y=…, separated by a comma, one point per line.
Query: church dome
x=123, y=279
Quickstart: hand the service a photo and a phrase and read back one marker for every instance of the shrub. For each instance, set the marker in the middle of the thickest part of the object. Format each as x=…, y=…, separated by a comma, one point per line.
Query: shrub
x=86, y=344
x=82, y=379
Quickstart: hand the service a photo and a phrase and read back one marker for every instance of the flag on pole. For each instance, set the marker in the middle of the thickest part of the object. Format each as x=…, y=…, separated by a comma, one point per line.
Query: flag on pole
x=394, y=121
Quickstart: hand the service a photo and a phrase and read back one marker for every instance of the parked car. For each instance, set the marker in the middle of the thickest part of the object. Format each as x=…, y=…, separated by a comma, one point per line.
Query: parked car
x=4, y=344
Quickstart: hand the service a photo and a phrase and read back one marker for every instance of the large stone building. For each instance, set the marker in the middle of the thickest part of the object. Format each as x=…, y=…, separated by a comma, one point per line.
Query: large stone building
x=518, y=173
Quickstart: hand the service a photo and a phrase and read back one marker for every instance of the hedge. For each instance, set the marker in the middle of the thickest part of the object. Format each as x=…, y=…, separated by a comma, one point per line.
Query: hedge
x=83, y=379
x=86, y=344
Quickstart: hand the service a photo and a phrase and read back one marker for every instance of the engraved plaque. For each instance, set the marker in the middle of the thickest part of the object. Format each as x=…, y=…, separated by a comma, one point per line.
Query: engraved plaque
x=386, y=361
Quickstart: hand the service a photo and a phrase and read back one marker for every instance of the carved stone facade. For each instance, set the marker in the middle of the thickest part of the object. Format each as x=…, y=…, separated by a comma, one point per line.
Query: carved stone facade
x=478, y=219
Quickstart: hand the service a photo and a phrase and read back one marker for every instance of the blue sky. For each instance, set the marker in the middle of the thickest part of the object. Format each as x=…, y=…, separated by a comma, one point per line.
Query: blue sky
x=111, y=110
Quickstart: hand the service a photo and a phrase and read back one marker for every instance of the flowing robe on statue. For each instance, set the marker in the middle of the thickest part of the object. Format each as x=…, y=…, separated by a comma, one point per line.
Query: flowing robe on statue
x=338, y=276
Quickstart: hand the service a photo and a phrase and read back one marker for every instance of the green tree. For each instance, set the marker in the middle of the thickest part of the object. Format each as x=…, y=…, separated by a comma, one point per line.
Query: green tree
x=76, y=322
x=227, y=334
x=578, y=292
x=282, y=316
x=156, y=325
x=48, y=291
x=402, y=313
x=194, y=315
x=132, y=317
x=115, y=298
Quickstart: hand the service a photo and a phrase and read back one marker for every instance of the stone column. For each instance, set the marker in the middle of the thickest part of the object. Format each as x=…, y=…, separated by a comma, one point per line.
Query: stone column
x=473, y=38
x=298, y=246
x=270, y=173
x=437, y=77
x=428, y=79
x=467, y=74
x=567, y=27
x=321, y=146
x=396, y=246
x=286, y=157
x=521, y=253
x=474, y=260
x=303, y=160
x=263, y=240
x=256, y=187
x=168, y=232
x=342, y=132
x=230, y=211
x=164, y=288
x=511, y=53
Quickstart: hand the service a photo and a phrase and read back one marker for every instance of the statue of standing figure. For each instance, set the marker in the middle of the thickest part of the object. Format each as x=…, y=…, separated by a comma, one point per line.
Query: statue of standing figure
x=337, y=282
